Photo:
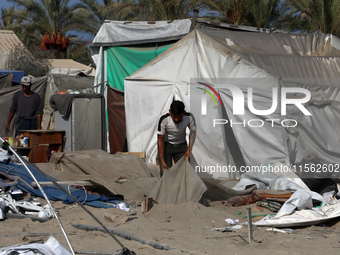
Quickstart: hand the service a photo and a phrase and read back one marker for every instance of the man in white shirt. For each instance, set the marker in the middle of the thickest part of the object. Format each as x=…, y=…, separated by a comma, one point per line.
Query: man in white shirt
x=171, y=134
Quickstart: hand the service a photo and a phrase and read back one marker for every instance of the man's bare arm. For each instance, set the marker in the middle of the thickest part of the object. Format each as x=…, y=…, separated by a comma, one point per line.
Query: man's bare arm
x=10, y=117
x=192, y=138
x=160, y=144
x=39, y=120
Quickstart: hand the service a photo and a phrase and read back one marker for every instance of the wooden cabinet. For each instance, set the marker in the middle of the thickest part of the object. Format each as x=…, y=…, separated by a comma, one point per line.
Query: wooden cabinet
x=42, y=143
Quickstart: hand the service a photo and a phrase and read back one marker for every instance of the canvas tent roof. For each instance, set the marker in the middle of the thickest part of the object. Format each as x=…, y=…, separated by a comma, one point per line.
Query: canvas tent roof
x=114, y=32
x=262, y=61
x=70, y=67
x=119, y=33
x=202, y=23
x=8, y=41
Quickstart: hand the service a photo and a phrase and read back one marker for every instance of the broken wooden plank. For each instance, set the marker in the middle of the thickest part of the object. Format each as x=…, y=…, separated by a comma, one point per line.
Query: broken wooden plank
x=139, y=154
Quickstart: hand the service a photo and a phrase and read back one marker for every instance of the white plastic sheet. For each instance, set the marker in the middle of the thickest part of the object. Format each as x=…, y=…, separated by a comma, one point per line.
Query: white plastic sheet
x=50, y=247
x=271, y=180
x=303, y=217
x=301, y=199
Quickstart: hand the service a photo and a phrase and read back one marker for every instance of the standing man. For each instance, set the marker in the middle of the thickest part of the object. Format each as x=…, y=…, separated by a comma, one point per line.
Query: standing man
x=171, y=134
x=27, y=107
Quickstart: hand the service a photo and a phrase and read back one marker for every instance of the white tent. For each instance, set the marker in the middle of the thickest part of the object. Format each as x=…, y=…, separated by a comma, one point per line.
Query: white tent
x=126, y=33
x=265, y=62
x=119, y=49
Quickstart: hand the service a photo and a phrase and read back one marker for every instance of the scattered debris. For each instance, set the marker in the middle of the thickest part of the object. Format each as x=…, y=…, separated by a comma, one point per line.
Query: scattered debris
x=147, y=204
x=118, y=218
x=51, y=246
x=283, y=230
x=243, y=200
x=270, y=205
x=231, y=221
x=23, y=207
x=127, y=236
x=229, y=229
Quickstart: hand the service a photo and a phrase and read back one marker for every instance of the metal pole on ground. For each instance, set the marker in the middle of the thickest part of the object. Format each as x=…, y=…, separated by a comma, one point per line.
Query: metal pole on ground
x=250, y=225
x=125, y=250
x=44, y=194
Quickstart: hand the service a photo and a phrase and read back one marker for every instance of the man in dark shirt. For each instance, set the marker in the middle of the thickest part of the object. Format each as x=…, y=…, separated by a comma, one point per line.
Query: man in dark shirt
x=27, y=108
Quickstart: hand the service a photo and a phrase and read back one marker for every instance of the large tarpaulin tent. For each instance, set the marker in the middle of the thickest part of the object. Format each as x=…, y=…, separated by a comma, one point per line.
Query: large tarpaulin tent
x=119, y=49
x=265, y=62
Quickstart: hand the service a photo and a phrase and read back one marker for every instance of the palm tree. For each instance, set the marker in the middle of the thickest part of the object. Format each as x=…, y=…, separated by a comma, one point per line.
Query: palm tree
x=313, y=15
x=111, y=10
x=167, y=9
x=12, y=20
x=256, y=13
x=50, y=17
x=231, y=11
x=264, y=13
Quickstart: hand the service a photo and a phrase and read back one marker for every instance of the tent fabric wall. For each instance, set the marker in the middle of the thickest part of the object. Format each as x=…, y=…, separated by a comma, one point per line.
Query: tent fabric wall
x=17, y=75
x=261, y=61
x=116, y=117
x=280, y=44
x=155, y=95
x=123, y=61
x=6, y=80
x=317, y=135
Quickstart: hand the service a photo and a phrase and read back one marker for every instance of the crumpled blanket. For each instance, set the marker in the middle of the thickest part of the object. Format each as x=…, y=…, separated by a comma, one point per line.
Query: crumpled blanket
x=63, y=102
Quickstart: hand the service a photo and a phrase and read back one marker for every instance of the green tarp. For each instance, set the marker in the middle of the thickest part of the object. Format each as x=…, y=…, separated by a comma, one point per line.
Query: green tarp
x=123, y=61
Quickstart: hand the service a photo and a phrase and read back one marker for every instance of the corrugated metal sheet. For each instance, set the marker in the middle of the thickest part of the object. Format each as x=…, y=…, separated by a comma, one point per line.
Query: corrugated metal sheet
x=8, y=41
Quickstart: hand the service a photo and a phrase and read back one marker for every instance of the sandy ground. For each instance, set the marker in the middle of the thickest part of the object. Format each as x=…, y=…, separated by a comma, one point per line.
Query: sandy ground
x=186, y=228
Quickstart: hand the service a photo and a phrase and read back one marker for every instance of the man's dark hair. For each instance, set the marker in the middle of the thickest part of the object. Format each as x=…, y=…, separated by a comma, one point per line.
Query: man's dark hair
x=177, y=107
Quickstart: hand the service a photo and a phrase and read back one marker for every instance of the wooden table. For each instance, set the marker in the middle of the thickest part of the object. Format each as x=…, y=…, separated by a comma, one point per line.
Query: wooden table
x=42, y=142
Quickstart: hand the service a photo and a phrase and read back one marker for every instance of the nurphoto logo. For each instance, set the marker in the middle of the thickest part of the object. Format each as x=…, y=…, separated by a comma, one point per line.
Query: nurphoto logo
x=204, y=97
x=239, y=104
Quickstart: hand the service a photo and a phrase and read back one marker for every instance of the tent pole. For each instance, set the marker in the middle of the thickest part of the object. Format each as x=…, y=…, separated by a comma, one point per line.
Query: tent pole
x=125, y=250
x=193, y=21
x=42, y=191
